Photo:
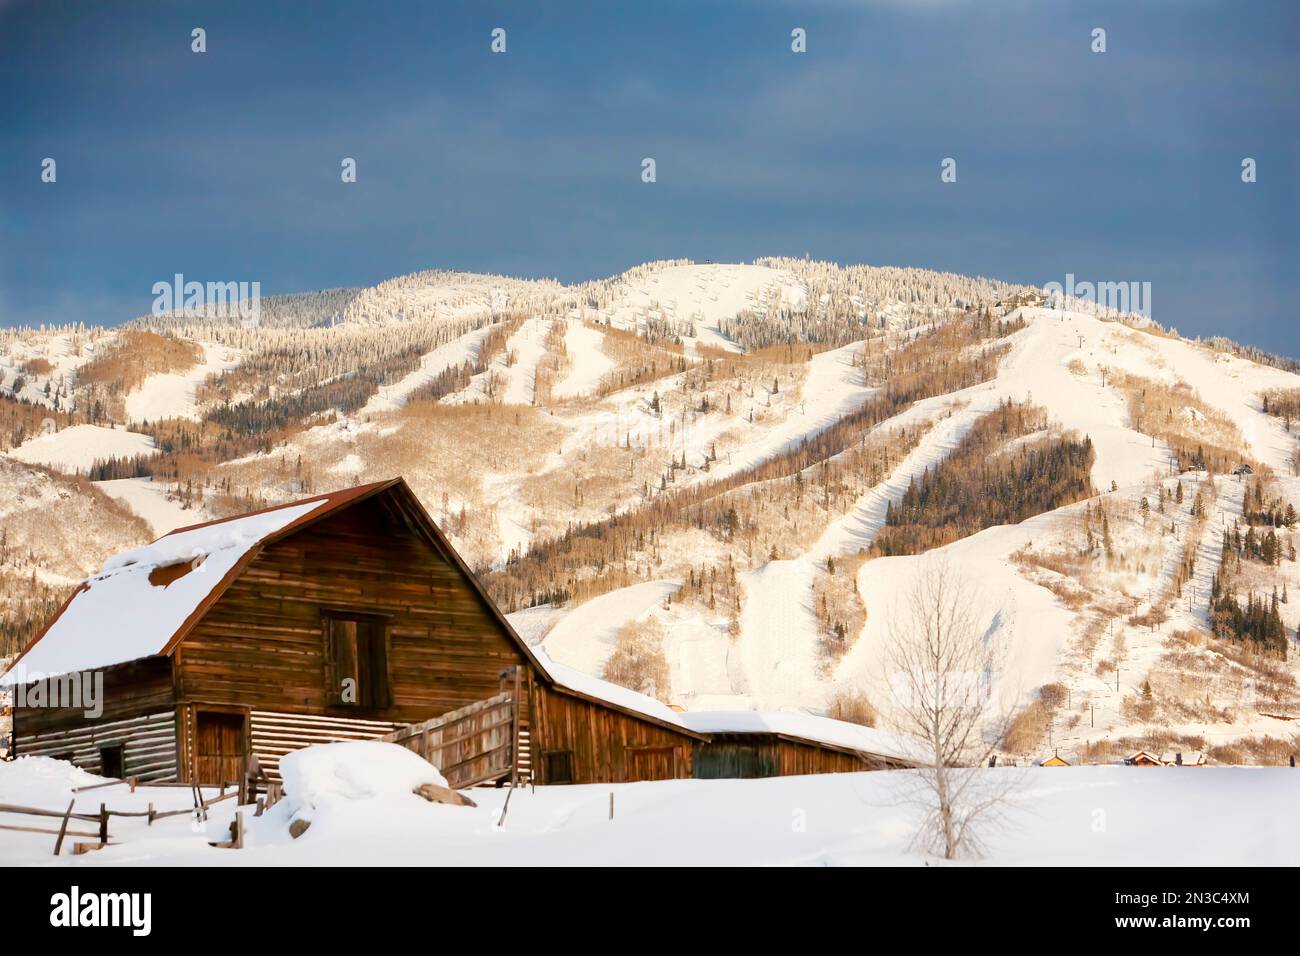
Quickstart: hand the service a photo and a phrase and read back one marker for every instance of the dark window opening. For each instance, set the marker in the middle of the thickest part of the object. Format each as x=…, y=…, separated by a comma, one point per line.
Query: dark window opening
x=112, y=761
x=559, y=766
x=357, y=664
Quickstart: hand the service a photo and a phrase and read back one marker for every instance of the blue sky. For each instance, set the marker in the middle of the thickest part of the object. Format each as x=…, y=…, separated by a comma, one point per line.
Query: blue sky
x=225, y=165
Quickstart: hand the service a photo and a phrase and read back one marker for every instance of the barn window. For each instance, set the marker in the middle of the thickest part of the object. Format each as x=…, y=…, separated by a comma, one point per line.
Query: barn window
x=356, y=652
x=111, y=761
x=559, y=766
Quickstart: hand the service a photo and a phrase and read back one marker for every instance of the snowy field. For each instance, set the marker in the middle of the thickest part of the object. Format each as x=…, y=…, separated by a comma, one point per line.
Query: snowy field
x=77, y=448
x=149, y=500
x=172, y=394
x=1071, y=816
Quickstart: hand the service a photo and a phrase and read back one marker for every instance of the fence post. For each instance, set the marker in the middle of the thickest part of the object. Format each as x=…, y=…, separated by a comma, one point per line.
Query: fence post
x=103, y=824
x=514, y=732
x=63, y=828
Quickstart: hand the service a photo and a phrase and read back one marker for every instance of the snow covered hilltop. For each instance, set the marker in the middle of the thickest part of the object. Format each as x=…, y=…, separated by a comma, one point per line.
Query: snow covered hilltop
x=710, y=482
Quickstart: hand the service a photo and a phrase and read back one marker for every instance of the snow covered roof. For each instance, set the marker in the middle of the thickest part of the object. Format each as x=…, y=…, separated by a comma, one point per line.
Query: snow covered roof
x=142, y=599
x=809, y=727
x=1143, y=755
x=582, y=683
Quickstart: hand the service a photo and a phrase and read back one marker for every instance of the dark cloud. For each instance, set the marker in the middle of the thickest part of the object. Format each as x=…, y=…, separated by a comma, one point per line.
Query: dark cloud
x=225, y=165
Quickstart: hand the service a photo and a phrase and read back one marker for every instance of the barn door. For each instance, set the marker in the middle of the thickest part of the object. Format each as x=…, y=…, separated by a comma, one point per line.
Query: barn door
x=651, y=763
x=220, y=747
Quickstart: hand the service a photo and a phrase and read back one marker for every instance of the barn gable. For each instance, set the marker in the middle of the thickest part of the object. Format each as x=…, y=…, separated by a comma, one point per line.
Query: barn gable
x=265, y=637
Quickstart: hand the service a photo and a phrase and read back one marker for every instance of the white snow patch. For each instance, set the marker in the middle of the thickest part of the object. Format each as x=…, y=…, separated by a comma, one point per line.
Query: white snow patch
x=76, y=448
x=861, y=819
x=172, y=394
x=588, y=363
x=434, y=363
x=322, y=775
x=152, y=502
x=584, y=637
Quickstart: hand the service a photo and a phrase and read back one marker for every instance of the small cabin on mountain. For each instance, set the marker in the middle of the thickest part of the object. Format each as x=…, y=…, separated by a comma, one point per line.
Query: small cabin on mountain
x=1055, y=760
x=1143, y=758
x=212, y=652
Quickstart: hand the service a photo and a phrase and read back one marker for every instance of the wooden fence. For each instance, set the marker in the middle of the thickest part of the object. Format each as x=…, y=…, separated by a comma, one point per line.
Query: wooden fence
x=200, y=809
x=472, y=745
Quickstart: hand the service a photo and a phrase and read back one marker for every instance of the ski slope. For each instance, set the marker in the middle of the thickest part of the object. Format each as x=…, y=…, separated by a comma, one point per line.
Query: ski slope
x=150, y=501
x=76, y=448
x=588, y=363
x=172, y=394
x=584, y=638
x=457, y=352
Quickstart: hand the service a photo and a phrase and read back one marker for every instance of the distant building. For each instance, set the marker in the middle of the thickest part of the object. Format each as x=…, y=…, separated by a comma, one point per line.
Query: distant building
x=1143, y=758
x=1055, y=760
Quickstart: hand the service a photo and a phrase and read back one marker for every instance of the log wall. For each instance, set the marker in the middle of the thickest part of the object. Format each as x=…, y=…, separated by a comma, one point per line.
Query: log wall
x=604, y=745
x=148, y=751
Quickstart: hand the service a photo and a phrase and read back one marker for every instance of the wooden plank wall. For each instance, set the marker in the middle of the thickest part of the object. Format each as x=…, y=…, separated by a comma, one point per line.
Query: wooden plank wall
x=149, y=750
x=758, y=755
x=276, y=734
x=134, y=689
x=607, y=746
x=261, y=644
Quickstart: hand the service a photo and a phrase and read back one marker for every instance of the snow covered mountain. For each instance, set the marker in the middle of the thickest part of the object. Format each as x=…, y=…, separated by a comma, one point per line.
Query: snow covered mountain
x=715, y=482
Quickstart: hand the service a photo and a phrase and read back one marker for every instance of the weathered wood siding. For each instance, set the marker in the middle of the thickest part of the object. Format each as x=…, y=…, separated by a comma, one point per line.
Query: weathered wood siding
x=605, y=745
x=134, y=689
x=148, y=744
x=276, y=734
x=750, y=755
x=262, y=645
x=470, y=745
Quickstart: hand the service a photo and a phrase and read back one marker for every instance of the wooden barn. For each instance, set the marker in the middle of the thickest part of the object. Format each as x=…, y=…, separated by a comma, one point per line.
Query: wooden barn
x=747, y=743
x=346, y=616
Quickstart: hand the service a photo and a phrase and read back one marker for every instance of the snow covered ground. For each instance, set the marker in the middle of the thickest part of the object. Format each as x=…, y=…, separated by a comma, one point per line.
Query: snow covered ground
x=456, y=352
x=76, y=448
x=588, y=362
x=585, y=638
x=703, y=294
x=149, y=500
x=172, y=394
x=1077, y=816
x=774, y=662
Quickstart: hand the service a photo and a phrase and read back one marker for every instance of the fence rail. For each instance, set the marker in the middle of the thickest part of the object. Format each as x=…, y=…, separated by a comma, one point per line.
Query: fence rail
x=472, y=745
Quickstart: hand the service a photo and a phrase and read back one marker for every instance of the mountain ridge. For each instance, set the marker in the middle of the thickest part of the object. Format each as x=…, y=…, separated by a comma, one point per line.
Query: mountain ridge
x=735, y=438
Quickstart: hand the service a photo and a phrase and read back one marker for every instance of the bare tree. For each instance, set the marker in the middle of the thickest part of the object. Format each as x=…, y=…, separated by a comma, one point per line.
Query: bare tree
x=941, y=665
